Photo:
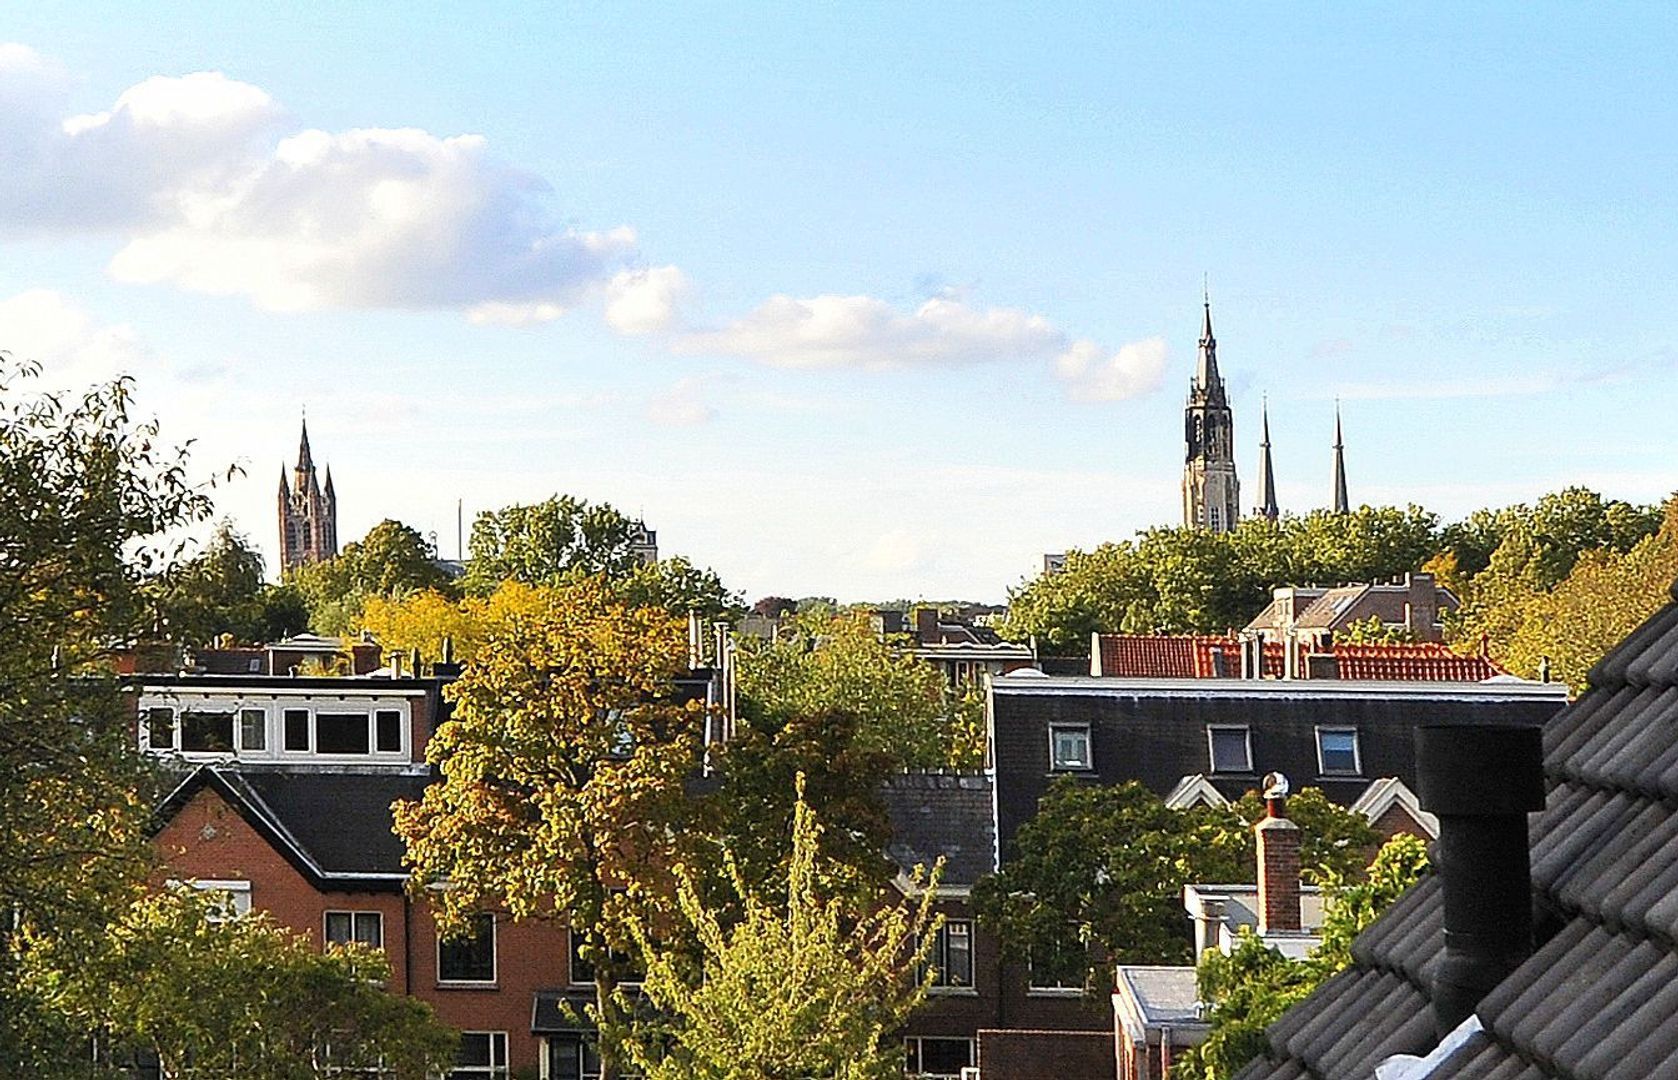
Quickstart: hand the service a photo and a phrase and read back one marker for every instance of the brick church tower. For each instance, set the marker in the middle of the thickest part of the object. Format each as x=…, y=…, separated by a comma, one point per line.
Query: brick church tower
x=308, y=513
x=1211, y=493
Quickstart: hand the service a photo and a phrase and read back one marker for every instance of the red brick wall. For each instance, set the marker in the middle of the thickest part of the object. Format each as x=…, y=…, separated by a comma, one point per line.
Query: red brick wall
x=208, y=839
x=1047, y=1055
x=1397, y=820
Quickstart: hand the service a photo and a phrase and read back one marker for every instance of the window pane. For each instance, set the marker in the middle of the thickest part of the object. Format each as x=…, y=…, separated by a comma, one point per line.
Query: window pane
x=337, y=927
x=369, y=928
x=389, y=723
x=207, y=732
x=297, y=729
x=471, y=957
x=341, y=733
x=1229, y=750
x=253, y=729
x=474, y=1048
x=958, y=954
x=1339, y=751
x=160, y=725
x=1070, y=747
x=945, y=1057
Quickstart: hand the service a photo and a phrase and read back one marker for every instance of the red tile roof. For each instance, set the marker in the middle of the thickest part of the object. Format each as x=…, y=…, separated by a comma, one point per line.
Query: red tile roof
x=1189, y=656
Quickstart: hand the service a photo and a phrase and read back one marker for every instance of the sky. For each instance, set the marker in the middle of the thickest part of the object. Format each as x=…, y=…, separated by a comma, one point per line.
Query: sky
x=866, y=301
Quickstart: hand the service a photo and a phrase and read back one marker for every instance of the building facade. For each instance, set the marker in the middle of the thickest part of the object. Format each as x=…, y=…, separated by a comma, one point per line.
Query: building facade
x=1211, y=492
x=308, y=512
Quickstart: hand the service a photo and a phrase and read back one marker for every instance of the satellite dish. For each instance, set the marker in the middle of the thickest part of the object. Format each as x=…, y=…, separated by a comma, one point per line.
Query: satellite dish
x=1275, y=785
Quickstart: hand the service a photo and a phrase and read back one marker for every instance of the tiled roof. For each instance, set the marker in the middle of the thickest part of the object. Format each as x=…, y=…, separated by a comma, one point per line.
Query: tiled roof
x=1191, y=657
x=946, y=815
x=1599, y=996
x=1418, y=662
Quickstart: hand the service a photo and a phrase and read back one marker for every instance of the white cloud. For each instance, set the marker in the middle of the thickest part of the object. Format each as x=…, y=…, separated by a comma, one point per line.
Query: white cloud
x=44, y=327
x=682, y=405
x=1091, y=375
x=647, y=301
x=192, y=173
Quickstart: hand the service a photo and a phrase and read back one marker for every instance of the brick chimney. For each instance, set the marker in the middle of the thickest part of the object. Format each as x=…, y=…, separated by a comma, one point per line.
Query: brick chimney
x=1278, y=870
x=1421, y=605
x=926, y=625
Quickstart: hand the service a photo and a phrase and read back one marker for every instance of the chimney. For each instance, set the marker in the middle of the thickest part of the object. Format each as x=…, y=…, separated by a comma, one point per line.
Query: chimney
x=1278, y=865
x=1481, y=781
x=1421, y=607
x=926, y=625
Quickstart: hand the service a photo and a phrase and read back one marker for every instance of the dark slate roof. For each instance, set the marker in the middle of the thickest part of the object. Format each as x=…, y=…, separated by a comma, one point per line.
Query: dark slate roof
x=942, y=814
x=334, y=826
x=1599, y=996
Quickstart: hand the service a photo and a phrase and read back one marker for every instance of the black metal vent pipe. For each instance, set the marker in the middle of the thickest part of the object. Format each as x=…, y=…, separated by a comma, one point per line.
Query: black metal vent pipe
x=1481, y=781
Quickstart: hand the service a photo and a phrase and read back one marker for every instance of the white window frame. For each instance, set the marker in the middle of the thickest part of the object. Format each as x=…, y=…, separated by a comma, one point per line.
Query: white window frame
x=237, y=891
x=1055, y=764
x=914, y=1041
x=571, y=961
x=497, y=1069
x=372, y=710
x=494, y=960
x=940, y=956
x=1055, y=989
x=1357, y=750
x=1211, y=748
x=354, y=915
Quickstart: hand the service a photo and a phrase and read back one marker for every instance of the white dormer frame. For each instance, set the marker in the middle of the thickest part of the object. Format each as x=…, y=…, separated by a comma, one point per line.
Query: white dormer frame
x=1382, y=795
x=1195, y=790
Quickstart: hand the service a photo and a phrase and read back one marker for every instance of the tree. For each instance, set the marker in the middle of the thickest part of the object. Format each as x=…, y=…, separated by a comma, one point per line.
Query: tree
x=1372, y=631
x=1106, y=865
x=392, y=560
x=222, y=590
x=423, y=621
x=837, y=664
x=563, y=778
x=681, y=588
x=85, y=494
x=539, y=543
x=1254, y=985
x=804, y=986
x=178, y=980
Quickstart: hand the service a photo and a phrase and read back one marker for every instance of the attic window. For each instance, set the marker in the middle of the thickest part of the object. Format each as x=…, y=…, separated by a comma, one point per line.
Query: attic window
x=1337, y=752
x=1069, y=746
x=1231, y=748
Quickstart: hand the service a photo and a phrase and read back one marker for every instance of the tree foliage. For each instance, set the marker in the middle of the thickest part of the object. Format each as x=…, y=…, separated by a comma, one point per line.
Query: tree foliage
x=204, y=994
x=1107, y=864
x=85, y=494
x=222, y=590
x=1186, y=580
x=391, y=561
x=563, y=777
x=806, y=985
x=540, y=543
x=1254, y=984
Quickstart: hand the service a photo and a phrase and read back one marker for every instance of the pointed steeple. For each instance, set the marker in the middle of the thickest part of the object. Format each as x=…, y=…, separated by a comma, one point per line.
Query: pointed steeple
x=285, y=488
x=305, y=461
x=1206, y=371
x=1342, y=505
x=1267, y=477
x=328, y=488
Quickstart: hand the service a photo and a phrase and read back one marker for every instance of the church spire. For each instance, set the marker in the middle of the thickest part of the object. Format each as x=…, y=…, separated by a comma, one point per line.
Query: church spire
x=1206, y=371
x=1342, y=505
x=305, y=461
x=1267, y=477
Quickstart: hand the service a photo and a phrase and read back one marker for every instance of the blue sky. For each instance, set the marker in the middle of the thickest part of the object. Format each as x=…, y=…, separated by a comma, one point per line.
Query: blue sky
x=871, y=302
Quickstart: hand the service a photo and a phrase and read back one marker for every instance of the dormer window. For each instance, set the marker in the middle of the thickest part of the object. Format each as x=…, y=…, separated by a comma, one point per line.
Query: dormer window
x=1231, y=749
x=348, y=727
x=1069, y=747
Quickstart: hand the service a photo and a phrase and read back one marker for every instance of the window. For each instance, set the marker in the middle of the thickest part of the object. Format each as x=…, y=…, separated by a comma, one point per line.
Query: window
x=1069, y=746
x=952, y=955
x=235, y=896
x=937, y=1058
x=469, y=958
x=482, y=1056
x=572, y=1057
x=253, y=729
x=367, y=927
x=207, y=732
x=1232, y=749
x=1059, y=966
x=582, y=971
x=297, y=730
x=341, y=733
x=160, y=729
x=1337, y=752
x=388, y=737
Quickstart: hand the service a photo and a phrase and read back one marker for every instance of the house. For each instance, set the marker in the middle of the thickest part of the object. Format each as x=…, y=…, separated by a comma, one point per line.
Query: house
x=1414, y=603
x=1213, y=656
x=964, y=651
x=1156, y=1016
x=283, y=803
x=1543, y=944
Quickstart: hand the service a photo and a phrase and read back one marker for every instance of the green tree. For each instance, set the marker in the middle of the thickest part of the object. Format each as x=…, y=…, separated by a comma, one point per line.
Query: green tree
x=679, y=587
x=222, y=590
x=564, y=770
x=85, y=494
x=1372, y=631
x=392, y=560
x=539, y=543
x=1335, y=843
x=807, y=985
x=824, y=664
x=1250, y=988
x=211, y=995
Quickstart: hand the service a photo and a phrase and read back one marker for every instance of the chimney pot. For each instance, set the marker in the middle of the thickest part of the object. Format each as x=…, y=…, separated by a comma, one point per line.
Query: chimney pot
x=1278, y=873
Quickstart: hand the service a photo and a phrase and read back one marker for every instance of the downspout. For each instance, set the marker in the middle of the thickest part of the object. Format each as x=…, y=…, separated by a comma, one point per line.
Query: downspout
x=407, y=944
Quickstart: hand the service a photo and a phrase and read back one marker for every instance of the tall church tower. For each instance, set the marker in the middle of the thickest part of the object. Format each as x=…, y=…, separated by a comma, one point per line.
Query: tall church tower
x=1211, y=493
x=308, y=512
